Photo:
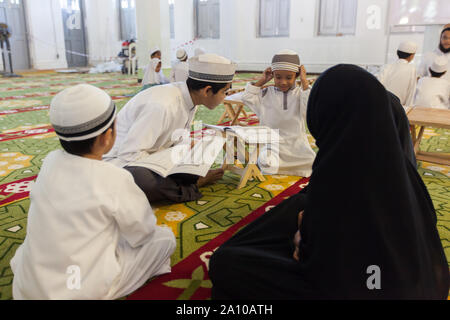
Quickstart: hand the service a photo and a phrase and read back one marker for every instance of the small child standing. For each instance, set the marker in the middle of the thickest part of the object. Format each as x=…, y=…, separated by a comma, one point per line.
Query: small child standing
x=434, y=91
x=401, y=77
x=283, y=107
x=91, y=232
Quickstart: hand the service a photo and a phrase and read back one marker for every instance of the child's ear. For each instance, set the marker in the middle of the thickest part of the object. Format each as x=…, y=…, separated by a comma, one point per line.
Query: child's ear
x=207, y=91
x=106, y=137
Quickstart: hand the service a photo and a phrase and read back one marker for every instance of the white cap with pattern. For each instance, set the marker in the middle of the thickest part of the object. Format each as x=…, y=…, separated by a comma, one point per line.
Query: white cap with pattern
x=81, y=112
x=211, y=67
x=287, y=60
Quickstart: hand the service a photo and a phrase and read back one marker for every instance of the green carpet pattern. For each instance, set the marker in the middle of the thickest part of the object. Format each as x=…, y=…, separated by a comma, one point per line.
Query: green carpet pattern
x=26, y=138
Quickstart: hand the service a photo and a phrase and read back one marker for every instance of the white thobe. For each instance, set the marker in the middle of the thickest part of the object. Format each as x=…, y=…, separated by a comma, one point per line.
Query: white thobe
x=153, y=77
x=433, y=93
x=401, y=79
x=91, y=234
x=287, y=113
x=149, y=120
x=180, y=72
x=427, y=62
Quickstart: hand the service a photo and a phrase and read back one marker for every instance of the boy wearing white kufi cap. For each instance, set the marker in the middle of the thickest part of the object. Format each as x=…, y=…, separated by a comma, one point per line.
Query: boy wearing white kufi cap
x=434, y=91
x=180, y=70
x=283, y=107
x=401, y=77
x=91, y=233
x=153, y=74
x=150, y=122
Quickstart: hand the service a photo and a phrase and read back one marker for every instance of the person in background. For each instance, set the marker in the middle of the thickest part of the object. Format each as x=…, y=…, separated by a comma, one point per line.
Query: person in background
x=400, y=77
x=180, y=71
x=443, y=50
x=434, y=91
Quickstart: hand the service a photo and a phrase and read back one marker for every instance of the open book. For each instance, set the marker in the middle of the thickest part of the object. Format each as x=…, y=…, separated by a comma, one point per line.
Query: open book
x=250, y=134
x=182, y=159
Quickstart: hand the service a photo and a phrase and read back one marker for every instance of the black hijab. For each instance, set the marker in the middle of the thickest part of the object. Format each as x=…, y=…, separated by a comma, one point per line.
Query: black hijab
x=402, y=124
x=441, y=47
x=367, y=204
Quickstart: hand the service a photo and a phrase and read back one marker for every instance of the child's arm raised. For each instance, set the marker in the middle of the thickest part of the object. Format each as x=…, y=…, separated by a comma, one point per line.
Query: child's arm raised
x=265, y=77
x=252, y=96
x=303, y=79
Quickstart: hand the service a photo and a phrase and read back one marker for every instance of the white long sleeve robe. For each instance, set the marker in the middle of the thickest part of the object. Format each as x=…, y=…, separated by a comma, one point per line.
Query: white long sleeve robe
x=89, y=221
x=180, y=72
x=286, y=112
x=427, y=61
x=433, y=93
x=401, y=79
x=153, y=77
x=146, y=123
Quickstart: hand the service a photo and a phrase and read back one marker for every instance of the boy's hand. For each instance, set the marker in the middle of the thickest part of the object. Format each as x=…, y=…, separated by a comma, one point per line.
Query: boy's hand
x=303, y=79
x=265, y=77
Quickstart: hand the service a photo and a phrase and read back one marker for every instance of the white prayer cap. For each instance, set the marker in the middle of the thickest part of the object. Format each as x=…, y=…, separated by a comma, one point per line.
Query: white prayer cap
x=199, y=51
x=81, y=112
x=211, y=67
x=154, y=49
x=408, y=47
x=440, y=64
x=287, y=60
x=181, y=54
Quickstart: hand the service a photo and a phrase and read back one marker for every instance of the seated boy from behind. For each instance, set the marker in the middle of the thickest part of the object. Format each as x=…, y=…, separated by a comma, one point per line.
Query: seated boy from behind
x=91, y=232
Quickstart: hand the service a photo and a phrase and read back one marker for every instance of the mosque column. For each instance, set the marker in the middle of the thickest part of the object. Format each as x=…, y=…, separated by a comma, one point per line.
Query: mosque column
x=153, y=29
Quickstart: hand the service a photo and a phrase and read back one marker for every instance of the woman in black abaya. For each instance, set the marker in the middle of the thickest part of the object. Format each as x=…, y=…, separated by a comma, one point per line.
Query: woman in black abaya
x=366, y=209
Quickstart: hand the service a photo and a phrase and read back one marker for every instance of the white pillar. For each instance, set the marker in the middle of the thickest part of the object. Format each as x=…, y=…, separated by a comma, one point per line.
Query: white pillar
x=153, y=29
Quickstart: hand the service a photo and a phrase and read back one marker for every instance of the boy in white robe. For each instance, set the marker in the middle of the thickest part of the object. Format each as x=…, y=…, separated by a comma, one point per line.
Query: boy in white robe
x=401, y=77
x=434, y=91
x=147, y=123
x=152, y=76
x=91, y=233
x=180, y=71
x=283, y=107
x=151, y=69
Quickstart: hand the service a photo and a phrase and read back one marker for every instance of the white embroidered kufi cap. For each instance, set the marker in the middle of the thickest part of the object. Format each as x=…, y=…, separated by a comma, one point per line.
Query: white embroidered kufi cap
x=81, y=112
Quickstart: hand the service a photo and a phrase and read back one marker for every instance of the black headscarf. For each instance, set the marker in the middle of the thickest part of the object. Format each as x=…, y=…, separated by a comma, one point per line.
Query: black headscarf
x=402, y=124
x=367, y=205
x=441, y=47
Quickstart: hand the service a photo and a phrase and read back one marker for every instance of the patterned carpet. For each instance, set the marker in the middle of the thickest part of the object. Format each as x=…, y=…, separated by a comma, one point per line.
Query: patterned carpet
x=26, y=138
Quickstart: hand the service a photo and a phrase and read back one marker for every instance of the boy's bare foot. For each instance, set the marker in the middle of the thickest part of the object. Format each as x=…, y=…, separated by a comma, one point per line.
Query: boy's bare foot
x=211, y=177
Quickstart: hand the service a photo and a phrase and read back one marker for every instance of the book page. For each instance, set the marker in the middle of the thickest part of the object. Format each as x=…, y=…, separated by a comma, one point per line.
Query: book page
x=183, y=159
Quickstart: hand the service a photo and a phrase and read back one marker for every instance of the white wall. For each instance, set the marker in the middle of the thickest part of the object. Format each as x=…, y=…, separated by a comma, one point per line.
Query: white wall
x=46, y=35
x=102, y=30
x=153, y=29
x=239, y=39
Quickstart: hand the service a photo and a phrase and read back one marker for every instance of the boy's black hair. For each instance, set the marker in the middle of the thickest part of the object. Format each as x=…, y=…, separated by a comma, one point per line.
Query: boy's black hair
x=436, y=74
x=81, y=148
x=195, y=85
x=403, y=55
